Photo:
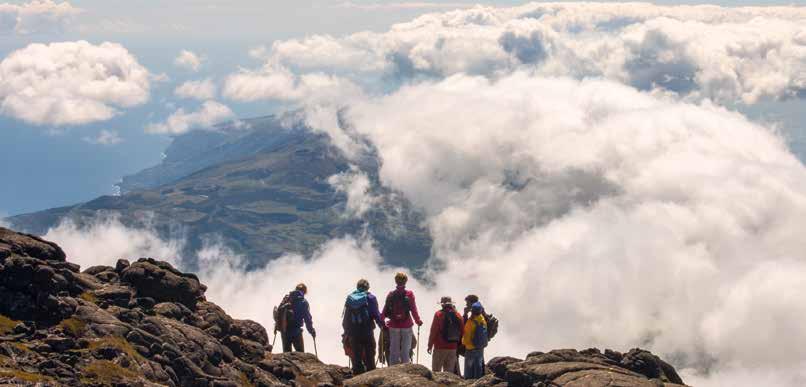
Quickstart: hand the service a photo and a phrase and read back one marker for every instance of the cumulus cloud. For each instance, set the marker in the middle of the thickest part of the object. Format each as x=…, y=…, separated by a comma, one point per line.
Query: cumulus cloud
x=201, y=90
x=189, y=60
x=725, y=54
x=180, y=121
x=105, y=137
x=71, y=83
x=35, y=17
x=278, y=83
x=403, y=5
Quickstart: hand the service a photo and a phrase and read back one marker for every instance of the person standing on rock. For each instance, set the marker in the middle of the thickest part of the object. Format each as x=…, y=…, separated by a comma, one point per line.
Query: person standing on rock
x=444, y=338
x=399, y=309
x=361, y=314
x=492, y=325
x=474, y=340
x=289, y=317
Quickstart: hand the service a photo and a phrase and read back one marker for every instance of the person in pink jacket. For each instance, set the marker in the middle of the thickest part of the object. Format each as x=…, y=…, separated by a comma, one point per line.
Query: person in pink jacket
x=399, y=309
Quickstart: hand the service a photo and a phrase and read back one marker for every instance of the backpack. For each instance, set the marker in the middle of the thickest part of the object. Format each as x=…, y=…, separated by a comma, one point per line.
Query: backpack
x=492, y=326
x=480, y=337
x=451, y=327
x=397, y=306
x=283, y=314
x=356, y=313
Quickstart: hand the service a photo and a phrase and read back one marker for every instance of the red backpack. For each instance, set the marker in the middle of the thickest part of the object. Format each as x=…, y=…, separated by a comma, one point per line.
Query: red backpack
x=397, y=306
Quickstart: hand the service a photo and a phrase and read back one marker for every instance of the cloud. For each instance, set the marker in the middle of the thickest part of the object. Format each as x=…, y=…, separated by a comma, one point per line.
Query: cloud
x=259, y=52
x=403, y=5
x=36, y=17
x=584, y=213
x=189, y=60
x=210, y=112
x=278, y=83
x=106, y=239
x=201, y=90
x=356, y=185
x=105, y=137
x=727, y=55
x=600, y=204
x=71, y=83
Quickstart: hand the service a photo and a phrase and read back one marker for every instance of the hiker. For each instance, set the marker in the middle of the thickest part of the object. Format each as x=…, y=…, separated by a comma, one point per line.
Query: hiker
x=474, y=340
x=445, y=335
x=361, y=314
x=492, y=325
x=492, y=321
x=399, y=309
x=384, y=347
x=289, y=317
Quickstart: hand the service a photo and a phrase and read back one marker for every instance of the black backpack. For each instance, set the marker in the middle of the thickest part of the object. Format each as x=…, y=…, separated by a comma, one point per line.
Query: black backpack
x=283, y=314
x=451, y=327
x=397, y=306
x=492, y=326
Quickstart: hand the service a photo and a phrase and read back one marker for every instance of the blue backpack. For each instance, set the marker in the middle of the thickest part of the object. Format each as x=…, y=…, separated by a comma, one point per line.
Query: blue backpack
x=480, y=337
x=356, y=313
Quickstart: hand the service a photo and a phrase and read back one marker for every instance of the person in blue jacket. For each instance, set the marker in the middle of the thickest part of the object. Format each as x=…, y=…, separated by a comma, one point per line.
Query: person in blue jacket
x=361, y=315
x=292, y=337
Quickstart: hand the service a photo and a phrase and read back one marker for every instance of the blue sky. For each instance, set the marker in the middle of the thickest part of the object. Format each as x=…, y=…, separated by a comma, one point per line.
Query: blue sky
x=45, y=166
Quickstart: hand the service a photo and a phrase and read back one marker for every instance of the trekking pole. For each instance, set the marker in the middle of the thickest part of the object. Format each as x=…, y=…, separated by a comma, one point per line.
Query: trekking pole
x=274, y=340
x=315, y=351
x=418, y=344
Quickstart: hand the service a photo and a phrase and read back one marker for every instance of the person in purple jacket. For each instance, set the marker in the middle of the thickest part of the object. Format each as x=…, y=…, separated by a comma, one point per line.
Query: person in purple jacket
x=399, y=309
x=292, y=337
x=361, y=314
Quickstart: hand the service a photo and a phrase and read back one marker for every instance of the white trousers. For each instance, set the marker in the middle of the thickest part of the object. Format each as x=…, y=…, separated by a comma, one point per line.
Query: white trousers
x=400, y=345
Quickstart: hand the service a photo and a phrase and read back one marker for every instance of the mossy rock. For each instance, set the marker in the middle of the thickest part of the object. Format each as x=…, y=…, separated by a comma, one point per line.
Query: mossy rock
x=89, y=297
x=106, y=372
x=73, y=326
x=117, y=343
x=7, y=325
x=22, y=376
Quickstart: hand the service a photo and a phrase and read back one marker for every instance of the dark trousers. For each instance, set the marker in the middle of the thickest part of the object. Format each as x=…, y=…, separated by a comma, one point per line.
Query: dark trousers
x=474, y=364
x=296, y=342
x=363, y=347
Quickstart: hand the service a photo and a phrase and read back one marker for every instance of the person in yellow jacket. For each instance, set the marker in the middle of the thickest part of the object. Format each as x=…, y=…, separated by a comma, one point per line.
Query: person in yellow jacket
x=475, y=339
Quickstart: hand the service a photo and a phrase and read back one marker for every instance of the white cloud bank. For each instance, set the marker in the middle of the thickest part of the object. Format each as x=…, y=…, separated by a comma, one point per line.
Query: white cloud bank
x=35, y=17
x=202, y=90
x=71, y=83
x=621, y=219
x=210, y=112
x=107, y=240
x=724, y=54
x=189, y=60
x=583, y=213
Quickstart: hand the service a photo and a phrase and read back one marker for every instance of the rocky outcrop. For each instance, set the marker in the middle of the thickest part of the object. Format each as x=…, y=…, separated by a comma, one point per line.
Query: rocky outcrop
x=566, y=368
x=138, y=324
x=148, y=324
